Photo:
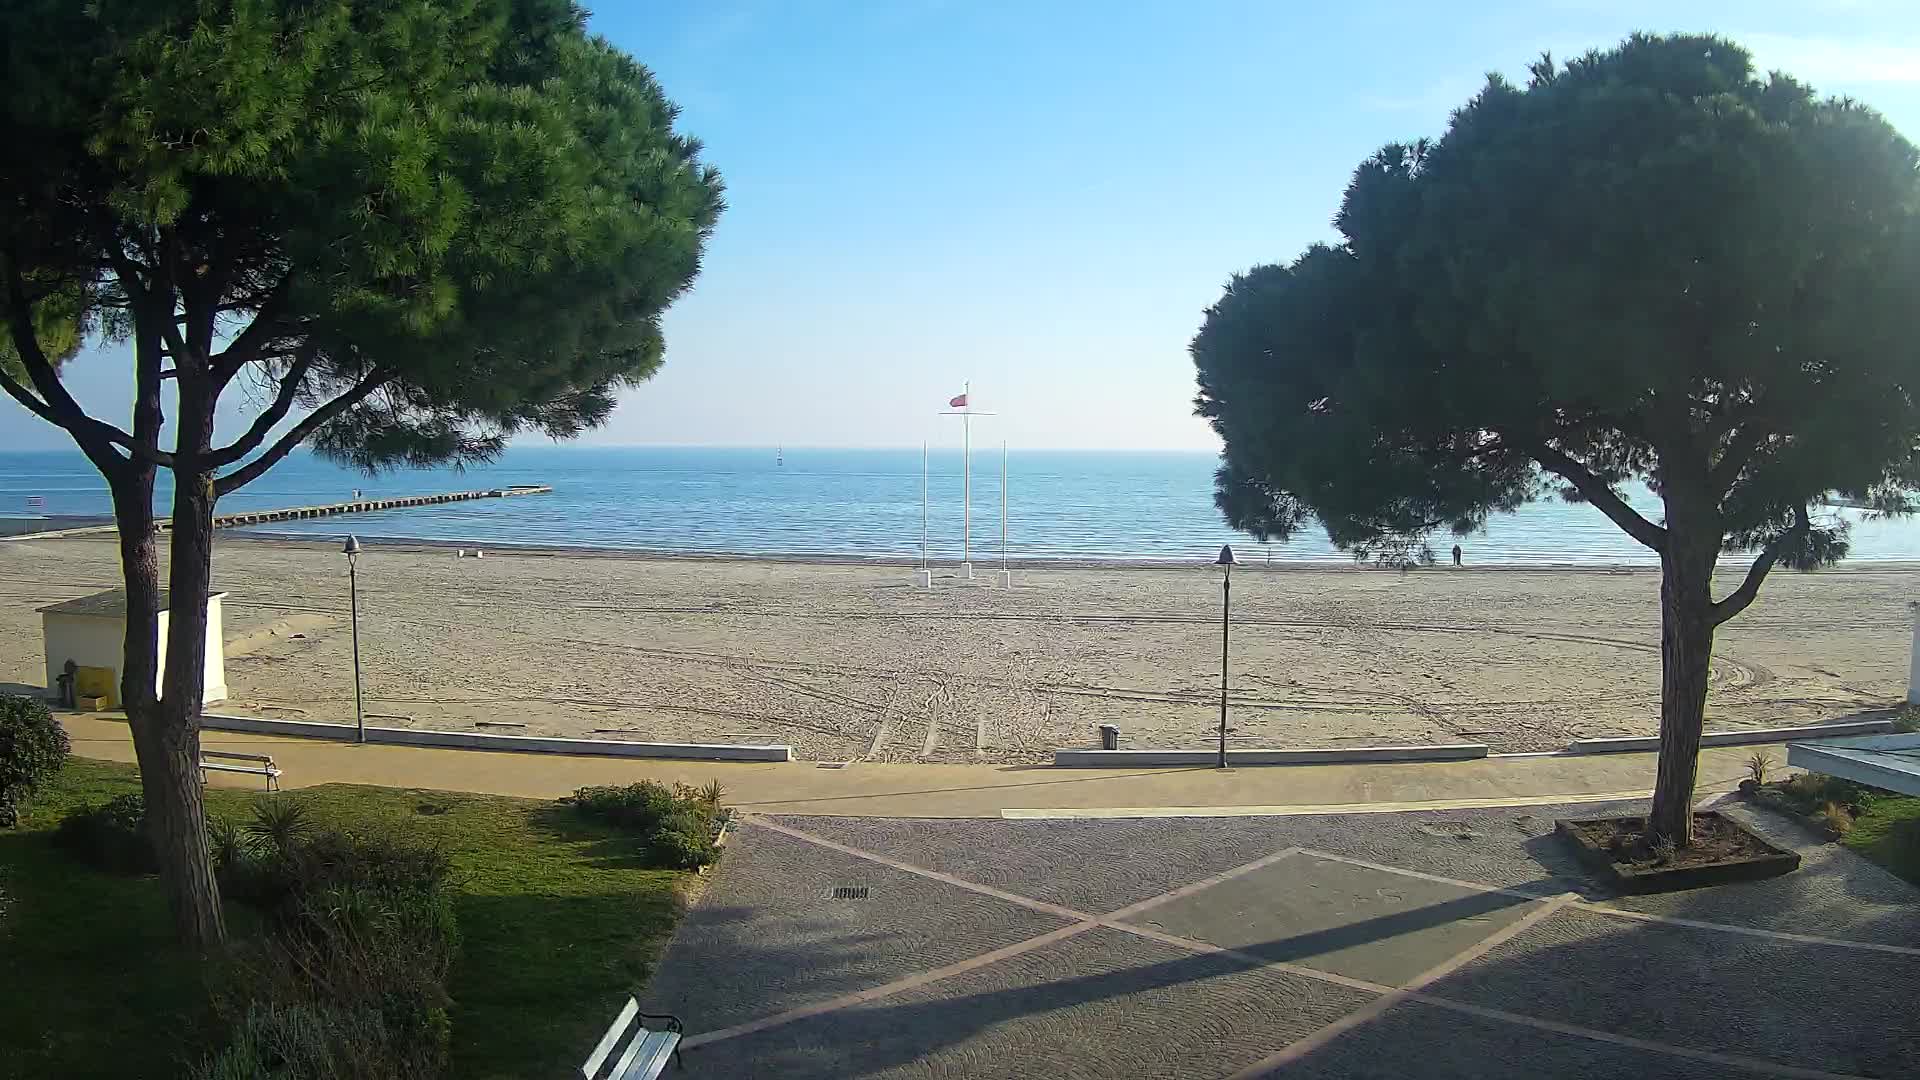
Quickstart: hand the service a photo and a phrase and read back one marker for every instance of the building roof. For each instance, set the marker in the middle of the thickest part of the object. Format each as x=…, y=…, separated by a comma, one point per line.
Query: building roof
x=111, y=604
x=1891, y=762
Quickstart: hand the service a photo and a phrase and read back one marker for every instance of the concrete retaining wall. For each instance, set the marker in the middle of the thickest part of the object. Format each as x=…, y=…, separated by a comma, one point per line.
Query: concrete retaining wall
x=1735, y=738
x=1096, y=759
x=473, y=740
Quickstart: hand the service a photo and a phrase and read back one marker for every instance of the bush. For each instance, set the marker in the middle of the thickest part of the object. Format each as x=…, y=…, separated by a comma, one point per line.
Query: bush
x=684, y=841
x=32, y=748
x=112, y=837
x=675, y=825
x=636, y=808
x=351, y=975
x=279, y=824
x=306, y=1042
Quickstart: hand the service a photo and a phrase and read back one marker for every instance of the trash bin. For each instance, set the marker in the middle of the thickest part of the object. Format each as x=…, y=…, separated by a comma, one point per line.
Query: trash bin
x=1109, y=736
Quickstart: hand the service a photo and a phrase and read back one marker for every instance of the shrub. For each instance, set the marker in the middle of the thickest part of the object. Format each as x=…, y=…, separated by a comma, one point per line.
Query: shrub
x=1837, y=820
x=306, y=1042
x=279, y=823
x=111, y=837
x=33, y=746
x=1760, y=768
x=351, y=974
x=684, y=841
x=637, y=807
x=675, y=825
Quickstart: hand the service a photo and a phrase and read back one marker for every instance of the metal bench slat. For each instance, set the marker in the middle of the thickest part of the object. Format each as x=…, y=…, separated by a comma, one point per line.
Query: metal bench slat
x=649, y=1055
x=610, y=1040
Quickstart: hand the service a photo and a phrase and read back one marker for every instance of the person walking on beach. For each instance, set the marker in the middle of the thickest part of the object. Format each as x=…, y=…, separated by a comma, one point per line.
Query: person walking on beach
x=1456, y=554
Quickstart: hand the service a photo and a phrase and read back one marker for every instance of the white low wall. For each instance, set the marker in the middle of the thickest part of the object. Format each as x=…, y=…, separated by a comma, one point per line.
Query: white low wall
x=1735, y=738
x=1096, y=759
x=473, y=740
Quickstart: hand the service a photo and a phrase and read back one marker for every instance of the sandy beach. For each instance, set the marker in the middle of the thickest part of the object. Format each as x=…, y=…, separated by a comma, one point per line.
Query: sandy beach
x=850, y=662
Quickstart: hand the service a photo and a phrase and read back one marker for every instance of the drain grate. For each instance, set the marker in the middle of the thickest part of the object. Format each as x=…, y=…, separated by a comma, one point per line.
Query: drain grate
x=851, y=892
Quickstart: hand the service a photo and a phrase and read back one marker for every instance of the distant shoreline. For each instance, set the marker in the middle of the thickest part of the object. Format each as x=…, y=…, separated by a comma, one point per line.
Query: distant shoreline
x=983, y=568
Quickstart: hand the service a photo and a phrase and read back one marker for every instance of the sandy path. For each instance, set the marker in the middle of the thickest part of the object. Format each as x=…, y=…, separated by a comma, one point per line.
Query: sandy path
x=849, y=662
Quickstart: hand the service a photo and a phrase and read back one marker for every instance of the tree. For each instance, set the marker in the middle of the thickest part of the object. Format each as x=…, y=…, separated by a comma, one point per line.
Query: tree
x=1647, y=264
x=404, y=231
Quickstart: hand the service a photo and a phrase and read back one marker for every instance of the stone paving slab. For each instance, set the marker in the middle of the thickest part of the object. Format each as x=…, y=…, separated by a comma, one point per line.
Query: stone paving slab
x=1103, y=1004
x=1835, y=893
x=1332, y=916
x=1412, y=1040
x=765, y=937
x=1811, y=1006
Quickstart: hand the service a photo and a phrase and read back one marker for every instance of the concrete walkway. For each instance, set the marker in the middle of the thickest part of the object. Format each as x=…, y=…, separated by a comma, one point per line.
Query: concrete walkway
x=1458, y=944
x=967, y=791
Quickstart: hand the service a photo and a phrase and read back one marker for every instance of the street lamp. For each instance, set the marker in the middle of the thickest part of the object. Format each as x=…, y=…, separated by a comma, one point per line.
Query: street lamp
x=352, y=549
x=1225, y=562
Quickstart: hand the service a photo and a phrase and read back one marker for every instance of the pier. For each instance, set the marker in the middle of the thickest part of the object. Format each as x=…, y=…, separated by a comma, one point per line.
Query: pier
x=362, y=506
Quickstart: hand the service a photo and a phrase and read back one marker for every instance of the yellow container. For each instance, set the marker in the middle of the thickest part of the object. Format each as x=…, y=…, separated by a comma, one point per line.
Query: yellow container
x=97, y=682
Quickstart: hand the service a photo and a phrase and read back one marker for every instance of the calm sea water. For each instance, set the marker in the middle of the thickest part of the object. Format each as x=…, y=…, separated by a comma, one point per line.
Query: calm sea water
x=861, y=503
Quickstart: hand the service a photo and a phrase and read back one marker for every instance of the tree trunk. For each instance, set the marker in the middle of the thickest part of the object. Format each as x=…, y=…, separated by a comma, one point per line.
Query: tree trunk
x=1686, y=649
x=176, y=812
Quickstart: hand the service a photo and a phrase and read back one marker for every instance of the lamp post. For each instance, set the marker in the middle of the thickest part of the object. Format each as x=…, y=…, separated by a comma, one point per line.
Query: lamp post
x=1225, y=561
x=352, y=549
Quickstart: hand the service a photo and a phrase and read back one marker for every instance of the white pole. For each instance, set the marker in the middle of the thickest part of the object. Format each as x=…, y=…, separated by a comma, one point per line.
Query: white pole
x=924, y=575
x=966, y=481
x=1006, y=575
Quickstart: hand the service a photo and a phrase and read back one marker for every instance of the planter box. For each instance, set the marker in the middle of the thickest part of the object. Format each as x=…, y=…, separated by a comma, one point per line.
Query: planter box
x=1763, y=861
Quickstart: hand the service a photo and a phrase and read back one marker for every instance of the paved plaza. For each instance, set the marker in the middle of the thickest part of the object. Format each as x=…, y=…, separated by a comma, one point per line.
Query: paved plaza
x=1437, y=944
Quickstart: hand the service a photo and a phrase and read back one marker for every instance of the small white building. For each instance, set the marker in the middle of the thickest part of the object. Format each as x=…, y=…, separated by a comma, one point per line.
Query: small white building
x=91, y=632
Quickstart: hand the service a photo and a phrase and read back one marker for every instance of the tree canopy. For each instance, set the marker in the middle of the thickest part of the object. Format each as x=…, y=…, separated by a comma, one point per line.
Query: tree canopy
x=1647, y=264
x=432, y=225
x=405, y=230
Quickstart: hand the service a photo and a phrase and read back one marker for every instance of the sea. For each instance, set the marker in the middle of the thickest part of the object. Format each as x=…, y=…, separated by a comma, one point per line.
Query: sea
x=1148, y=506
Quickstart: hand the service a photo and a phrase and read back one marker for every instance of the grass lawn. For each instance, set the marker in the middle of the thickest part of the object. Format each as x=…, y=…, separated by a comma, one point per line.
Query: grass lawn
x=558, y=921
x=1889, y=834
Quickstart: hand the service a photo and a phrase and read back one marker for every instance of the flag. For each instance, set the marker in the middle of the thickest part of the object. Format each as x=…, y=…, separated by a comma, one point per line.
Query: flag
x=958, y=403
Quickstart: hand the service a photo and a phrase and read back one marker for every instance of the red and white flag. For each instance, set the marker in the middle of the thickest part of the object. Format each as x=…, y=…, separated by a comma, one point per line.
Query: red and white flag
x=958, y=403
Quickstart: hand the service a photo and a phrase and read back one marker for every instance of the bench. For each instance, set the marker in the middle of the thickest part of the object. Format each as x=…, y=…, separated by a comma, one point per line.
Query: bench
x=646, y=1049
x=254, y=764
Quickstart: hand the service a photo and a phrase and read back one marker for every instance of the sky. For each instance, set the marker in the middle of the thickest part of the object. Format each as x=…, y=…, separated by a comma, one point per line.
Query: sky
x=1040, y=200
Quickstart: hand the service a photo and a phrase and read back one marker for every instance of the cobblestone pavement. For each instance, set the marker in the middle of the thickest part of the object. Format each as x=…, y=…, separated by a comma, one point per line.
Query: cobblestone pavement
x=1451, y=944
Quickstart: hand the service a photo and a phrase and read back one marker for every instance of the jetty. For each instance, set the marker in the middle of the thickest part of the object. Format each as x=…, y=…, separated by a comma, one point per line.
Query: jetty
x=294, y=513
x=364, y=506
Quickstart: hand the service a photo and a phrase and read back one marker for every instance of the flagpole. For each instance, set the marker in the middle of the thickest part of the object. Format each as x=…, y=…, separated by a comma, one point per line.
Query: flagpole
x=1006, y=575
x=924, y=499
x=966, y=473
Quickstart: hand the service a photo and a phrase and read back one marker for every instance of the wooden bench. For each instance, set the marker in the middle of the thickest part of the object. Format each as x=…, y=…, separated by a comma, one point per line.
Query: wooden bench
x=254, y=764
x=646, y=1049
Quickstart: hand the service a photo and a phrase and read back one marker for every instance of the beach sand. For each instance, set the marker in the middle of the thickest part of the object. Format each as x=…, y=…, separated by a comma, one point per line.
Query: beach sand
x=851, y=662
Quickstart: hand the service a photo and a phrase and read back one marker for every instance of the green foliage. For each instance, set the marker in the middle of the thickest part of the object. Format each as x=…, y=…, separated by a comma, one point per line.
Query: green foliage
x=352, y=972
x=1906, y=719
x=1760, y=768
x=279, y=823
x=304, y=1042
x=533, y=887
x=676, y=825
x=111, y=837
x=475, y=197
x=33, y=746
x=1645, y=264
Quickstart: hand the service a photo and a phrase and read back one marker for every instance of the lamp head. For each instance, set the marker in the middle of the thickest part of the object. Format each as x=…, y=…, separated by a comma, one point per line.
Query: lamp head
x=352, y=546
x=1226, y=556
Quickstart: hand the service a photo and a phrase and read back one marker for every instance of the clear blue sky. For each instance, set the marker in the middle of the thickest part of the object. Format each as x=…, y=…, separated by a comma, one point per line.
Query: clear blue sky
x=1043, y=197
